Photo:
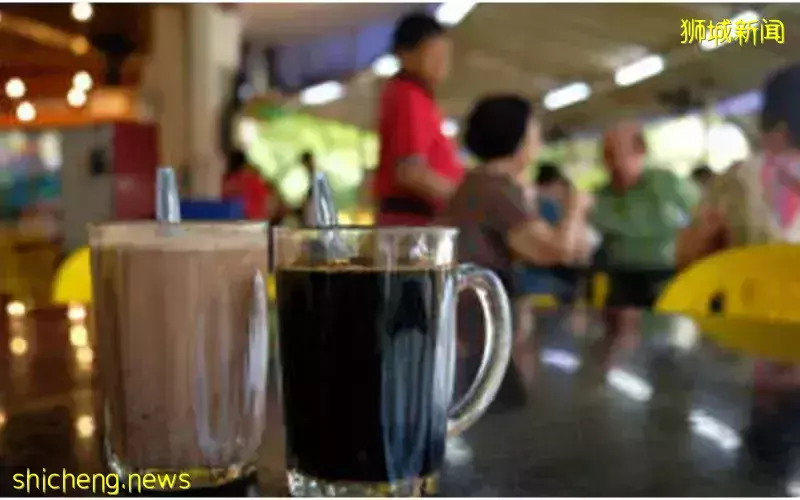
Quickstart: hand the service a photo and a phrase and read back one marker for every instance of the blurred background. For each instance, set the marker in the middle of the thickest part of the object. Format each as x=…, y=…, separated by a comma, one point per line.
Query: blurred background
x=96, y=96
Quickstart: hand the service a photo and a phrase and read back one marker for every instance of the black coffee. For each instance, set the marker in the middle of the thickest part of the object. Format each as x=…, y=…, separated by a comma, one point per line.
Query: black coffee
x=366, y=358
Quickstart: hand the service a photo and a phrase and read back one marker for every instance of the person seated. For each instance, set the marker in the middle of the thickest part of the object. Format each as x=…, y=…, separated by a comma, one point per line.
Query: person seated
x=758, y=201
x=261, y=200
x=552, y=190
x=497, y=226
x=638, y=213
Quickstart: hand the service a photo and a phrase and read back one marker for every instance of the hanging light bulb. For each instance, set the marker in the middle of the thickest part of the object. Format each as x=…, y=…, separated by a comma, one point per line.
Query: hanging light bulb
x=76, y=98
x=26, y=112
x=82, y=81
x=15, y=309
x=15, y=88
x=82, y=11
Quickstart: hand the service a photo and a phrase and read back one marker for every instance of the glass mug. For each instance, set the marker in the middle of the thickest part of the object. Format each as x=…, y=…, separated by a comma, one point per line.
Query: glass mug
x=367, y=351
x=181, y=318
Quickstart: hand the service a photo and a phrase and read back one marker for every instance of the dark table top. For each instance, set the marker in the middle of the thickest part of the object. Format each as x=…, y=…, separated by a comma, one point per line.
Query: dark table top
x=647, y=407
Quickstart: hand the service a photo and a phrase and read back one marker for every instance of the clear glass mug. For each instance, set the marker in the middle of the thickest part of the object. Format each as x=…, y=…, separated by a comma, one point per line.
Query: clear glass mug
x=367, y=351
x=181, y=318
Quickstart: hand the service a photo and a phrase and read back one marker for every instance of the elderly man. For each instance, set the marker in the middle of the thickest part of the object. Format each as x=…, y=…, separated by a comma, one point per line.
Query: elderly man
x=639, y=213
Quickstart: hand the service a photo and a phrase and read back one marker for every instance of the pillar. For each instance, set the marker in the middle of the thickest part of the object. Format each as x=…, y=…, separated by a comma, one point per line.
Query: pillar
x=195, y=51
x=214, y=48
x=164, y=82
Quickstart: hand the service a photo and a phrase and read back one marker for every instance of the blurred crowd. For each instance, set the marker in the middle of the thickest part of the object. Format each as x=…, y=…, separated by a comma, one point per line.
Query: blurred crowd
x=540, y=233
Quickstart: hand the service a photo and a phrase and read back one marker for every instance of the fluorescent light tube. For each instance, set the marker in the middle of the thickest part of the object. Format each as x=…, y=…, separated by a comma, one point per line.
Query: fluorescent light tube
x=450, y=128
x=748, y=15
x=642, y=69
x=567, y=96
x=386, y=66
x=323, y=93
x=453, y=12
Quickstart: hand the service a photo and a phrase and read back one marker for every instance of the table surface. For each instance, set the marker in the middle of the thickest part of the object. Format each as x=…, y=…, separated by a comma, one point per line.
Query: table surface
x=647, y=408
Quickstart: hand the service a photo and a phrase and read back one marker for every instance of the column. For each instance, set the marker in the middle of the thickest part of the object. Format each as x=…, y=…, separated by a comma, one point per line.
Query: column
x=164, y=82
x=195, y=51
x=214, y=43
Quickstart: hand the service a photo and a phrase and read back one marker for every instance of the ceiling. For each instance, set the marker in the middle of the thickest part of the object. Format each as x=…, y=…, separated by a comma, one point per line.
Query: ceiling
x=523, y=48
x=45, y=46
x=279, y=23
x=533, y=48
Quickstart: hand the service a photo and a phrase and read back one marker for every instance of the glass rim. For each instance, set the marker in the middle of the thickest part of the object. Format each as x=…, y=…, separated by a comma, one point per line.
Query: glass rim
x=197, y=224
x=284, y=231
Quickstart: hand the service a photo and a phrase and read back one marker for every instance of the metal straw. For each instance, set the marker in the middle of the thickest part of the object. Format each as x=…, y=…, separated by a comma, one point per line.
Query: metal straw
x=323, y=214
x=168, y=202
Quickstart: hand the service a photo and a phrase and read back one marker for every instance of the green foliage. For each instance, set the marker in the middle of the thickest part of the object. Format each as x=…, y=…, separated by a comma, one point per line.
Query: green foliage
x=342, y=151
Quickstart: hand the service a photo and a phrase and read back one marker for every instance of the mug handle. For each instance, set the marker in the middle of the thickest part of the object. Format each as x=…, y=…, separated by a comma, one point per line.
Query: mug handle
x=215, y=440
x=496, y=349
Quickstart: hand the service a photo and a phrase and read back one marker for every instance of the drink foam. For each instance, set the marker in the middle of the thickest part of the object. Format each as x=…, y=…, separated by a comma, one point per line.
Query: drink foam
x=180, y=237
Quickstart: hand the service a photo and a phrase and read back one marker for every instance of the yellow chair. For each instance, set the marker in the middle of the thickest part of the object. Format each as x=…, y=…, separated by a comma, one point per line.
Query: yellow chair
x=760, y=282
x=599, y=290
x=73, y=281
x=544, y=301
x=759, y=287
x=271, y=288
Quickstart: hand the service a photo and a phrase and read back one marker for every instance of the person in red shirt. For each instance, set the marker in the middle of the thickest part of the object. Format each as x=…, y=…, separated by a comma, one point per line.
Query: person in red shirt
x=261, y=200
x=418, y=166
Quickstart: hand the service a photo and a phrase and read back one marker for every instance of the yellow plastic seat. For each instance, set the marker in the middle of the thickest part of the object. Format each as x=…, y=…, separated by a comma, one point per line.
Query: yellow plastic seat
x=759, y=282
x=599, y=290
x=271, y=288
x=73, y=281
x=760, y=289
x=771, y=340
x=544, y=301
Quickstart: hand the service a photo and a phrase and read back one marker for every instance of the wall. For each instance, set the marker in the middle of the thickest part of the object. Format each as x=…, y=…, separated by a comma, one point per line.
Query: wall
x=87, y=198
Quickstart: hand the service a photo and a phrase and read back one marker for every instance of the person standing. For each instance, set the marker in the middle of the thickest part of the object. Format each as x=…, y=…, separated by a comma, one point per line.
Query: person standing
x=638, y=213
x=310, y=165
x=418, y=168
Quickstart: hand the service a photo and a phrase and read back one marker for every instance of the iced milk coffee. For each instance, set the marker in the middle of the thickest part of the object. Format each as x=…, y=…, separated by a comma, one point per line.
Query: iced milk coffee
x=182, y=335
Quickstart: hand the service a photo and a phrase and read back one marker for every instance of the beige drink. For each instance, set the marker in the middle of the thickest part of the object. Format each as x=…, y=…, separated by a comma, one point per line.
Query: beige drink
x=182, y=337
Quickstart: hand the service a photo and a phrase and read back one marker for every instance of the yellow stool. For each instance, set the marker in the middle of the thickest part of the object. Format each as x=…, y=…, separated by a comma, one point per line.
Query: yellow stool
x=73, y=281
x=599, y=290
x=760, y=287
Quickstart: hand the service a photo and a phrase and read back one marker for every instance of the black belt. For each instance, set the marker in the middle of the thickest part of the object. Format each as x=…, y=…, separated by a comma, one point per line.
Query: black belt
x=406, y=205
